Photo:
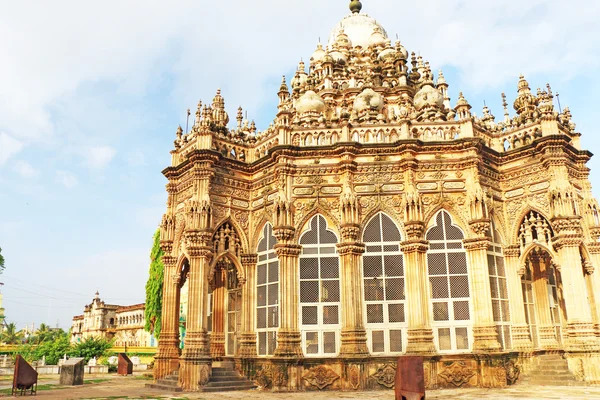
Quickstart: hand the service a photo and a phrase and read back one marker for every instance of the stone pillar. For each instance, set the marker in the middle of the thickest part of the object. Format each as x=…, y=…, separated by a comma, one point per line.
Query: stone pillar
x=546, y=329
x=485, y=337
x=580, y=328
x=420, y=334
x=521, y=337
x=354, y=335
x=288, y=335
x=217, y=335
x=593, y=272
x=247, y=347
x=167, y=356
x=195, y=359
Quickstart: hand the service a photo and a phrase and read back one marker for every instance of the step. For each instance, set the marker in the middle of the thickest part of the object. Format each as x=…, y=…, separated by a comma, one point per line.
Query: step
x=225, y=373
x=227, y=388
x=229, y=383
x=163, y=387
x=165, y=382
x=227, y=378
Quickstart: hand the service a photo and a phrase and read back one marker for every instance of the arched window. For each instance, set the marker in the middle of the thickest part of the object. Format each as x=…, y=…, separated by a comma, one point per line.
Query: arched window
x=383, y=283
x=498, y=288
x=319, y=290
x=449, y=280
x=267, y=293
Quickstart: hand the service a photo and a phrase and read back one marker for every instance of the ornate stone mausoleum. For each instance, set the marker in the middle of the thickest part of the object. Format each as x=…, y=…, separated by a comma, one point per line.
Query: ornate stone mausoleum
x=374, y=218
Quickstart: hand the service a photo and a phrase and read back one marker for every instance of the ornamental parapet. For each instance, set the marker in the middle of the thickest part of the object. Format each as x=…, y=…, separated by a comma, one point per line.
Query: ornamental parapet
x=350, y=248
x=249, y=259
x=511, y=251
x=288, y=249
x=198, y=238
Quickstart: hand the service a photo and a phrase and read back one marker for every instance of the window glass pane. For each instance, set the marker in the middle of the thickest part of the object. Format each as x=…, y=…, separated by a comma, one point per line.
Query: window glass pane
x=271, y=342
x=459, y=286
x=444, y=339
x=330, y=315
x=330, y=291
x=436, y=263
x=261, y=318
x=262, y=343
x=272, y=313
x=461, y=311
x=457, y=263
x=373, y=289
x=462, y=339
x=261, y=296
x=374, y=313
x=261, y=274
x=440, y=312
x=394, y=289
x=309, y=291
x=330, y=268
x=372, y=266
x=439, y=287
x=273, y=294
x=312, y=342
x=273, y=271
x=329, y=342
x=395, y=340
x=393, y=265
x=309, y=268
x=309, y=315
x=396, y=312
x=377, y=341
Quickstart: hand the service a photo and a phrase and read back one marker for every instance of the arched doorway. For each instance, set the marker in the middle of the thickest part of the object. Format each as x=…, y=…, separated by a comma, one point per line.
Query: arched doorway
x=541, y=284
x=225, y=294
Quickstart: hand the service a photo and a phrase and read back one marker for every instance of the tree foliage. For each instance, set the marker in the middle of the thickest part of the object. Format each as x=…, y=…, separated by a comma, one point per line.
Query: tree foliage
x=54, y=347
x=92, y=347
x=11, y=335
x=1, y=261
x=154, y=288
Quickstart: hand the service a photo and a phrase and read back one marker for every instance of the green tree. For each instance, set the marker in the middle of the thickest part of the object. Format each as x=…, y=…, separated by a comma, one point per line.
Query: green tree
x=54, y=347
x=42, y=334
x=11, y=335
x=154, y=288
x=92, y=347
x=1, y=261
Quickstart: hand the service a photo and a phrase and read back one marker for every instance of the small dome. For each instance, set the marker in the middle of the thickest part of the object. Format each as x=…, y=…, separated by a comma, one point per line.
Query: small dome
x=358, y=28
x=310, y=101
x=402, y=50
x=368, y=100
x=377, y=38
x=388, y=54
x=428, y=96
x=318, y=54
x=343, y=41
x=338, y=57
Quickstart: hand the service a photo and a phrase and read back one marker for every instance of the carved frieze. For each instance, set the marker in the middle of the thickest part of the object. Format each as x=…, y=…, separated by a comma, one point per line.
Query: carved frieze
x=319, y=377
x=385, y=375
x=457, y=374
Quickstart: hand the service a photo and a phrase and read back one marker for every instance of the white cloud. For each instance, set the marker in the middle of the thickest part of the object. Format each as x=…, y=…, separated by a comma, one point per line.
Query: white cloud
x=66, y=178
x=9, y=146
x=98, y=157
x=25, y=169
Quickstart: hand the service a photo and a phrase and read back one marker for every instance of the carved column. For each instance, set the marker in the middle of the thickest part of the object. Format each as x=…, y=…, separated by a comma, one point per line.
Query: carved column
x=485, y=337
x=546, y=329
x=580, y=328
x=521, y=338
x=420, y=334
x=354, y=336
x=248, y=336
x=167, y=356
x=594, y=276
x=217, y=335
x=195, y=359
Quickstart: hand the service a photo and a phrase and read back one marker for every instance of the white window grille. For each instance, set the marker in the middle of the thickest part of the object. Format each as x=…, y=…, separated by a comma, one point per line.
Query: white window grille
x=384, y=286
x=234, y=320
x=320, y=320
x=449, y=282
x=529, y=305
x=267, y=293
x=498, y=288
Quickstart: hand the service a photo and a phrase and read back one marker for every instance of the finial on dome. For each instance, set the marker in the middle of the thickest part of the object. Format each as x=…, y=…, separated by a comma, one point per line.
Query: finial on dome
x=355, y=6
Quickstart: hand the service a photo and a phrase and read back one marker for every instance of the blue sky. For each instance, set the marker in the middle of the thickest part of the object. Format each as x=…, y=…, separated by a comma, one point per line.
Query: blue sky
x=91, y=95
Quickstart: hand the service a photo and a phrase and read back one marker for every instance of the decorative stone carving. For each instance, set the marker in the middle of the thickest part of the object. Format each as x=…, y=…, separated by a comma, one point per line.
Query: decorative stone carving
x=457, y=374
x=272, y=375
x=320, y=377
x=513, y=370
x=354, y=376
x=385, y=375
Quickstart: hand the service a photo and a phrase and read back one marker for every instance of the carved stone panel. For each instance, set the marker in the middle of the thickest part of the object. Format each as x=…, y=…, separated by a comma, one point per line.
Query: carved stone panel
x=319, y=377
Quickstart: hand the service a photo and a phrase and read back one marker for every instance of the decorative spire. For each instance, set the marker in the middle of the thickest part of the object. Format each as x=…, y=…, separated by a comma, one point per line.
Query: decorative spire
x=505, y=105
x=355, y=6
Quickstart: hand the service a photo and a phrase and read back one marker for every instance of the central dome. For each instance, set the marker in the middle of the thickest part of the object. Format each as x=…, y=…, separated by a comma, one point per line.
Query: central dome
x=358, y=28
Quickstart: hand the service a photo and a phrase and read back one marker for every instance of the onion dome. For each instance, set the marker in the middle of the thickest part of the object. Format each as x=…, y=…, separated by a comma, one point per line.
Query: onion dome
x=343, y=41
x=368, y=100
x=428, y=96
x=310, y=102
x=318, y=54
x=338, y=57
x=377, y=38
x=301, y=77
x=402, y=50
x=389, y=53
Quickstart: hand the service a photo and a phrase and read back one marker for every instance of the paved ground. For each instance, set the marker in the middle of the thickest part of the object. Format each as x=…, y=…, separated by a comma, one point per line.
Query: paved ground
x=133, y=388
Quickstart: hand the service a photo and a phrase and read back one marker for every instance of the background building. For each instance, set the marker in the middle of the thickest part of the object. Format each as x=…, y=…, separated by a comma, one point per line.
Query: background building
x=372, y=219
x=124, y=324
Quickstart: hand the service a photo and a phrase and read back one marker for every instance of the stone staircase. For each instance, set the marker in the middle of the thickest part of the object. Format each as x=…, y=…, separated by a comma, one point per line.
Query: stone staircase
x=168, y=383
x=225, y=378
x=551, y=370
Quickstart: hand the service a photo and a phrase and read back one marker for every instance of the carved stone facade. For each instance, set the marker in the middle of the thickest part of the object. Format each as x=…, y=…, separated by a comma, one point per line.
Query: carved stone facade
x=372, y=219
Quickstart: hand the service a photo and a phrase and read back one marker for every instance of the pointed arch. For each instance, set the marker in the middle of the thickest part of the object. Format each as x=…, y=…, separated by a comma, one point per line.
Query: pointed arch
x=456, y=218
x=241, y=274
x=389, y=212
x=238, y=230
x=514, y=229
x=303, y=224
x=386, y=220
x=265, y=218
